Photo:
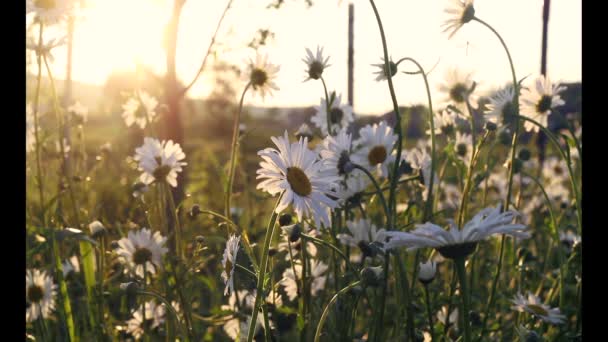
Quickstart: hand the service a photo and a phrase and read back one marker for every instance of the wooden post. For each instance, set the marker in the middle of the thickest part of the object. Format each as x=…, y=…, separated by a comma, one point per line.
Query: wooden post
x=351, y=35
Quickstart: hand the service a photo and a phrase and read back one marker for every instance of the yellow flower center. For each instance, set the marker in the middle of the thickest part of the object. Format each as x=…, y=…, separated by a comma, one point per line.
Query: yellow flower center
x=544, y=104
x=377, y=155
x=258, y=77
x=35, y=294
x=458, y=93
x=46, y=4
x=300, y=184
x=315, y=69
x=141, y=256
x=537, y=309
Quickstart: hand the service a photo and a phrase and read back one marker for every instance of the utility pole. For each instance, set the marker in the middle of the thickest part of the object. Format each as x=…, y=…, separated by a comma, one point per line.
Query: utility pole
x=541, y=139
x=351, y=40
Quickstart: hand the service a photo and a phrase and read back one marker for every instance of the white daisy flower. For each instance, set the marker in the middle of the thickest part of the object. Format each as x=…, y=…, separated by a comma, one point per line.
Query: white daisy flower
x=159, y=161
x=315, y=63
x=351, y=189
x=96, y=228
x=335, y=152
x=501, y=109
x=449, y=197
x=317, y=268
x=464, y=147
x=40, y=295
x=30, y=133
x=155, y=316
x=427, y=271
x=237, y=329
x=48, y=11
x=534, y=306
x=340, y=115
x=420, y=160
x=289, y=281
x=376, y=144
x=283, y=246
x=382, y=74
x=444, y=122
x=304, y=131
x=459, y=13
x=229, y=263
x=455, y=243
x=71, y=265
x=45, y=48
x=140, y=109
x=555, y=170
x=79, y=111
x=443, y=318
x=457, y=89
x=261, y=75
x=362, y=233
x=294, y=170
x=537, y=102
x=142, y=248
x=569, y=238
x=497, y=183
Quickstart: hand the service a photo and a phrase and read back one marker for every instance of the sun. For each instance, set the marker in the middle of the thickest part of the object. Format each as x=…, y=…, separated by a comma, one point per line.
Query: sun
x=118, y=34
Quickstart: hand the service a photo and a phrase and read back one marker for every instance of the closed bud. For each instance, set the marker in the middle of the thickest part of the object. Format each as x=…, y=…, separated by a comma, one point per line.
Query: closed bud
x=199, y=239
x=285, y=219
x=195, y=210
x=371, y=276
x=293, y=231
x=524, y=154
x=97, y=229
x=427, y=271
x=490, y=126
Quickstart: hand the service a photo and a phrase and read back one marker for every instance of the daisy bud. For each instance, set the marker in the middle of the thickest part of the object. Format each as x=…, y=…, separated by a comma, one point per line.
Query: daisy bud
x=129, y=288
x=524, y=154
x=490, y=126
x=195, y=210
x=114, y=244
x=272, y=251
x=504, y=137
x=293, y=231
x=200, y=239
x=427, y=271
x=285, y=219
x=97, y=229
x=371, y=276
x=518, y=164
x=304, y=132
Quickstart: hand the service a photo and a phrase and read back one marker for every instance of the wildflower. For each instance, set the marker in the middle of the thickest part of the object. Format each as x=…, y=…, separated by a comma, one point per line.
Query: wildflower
x=376, y=145
x=316, y=64
x=420, y=160
x=317, y=268
x=444, y=122
x=39, y=295
x=455, y=243
x=371, y=276
x=48, y=11
x=96, y=228
x=340, y=115
x=142, y=248
x=155, y=316
x=442, y=316
x=289, y=280
x=538, y=101
x=294, y=170
x=140, y=109
x=71, y=265
x=427, y=271
x=296, y=246
x=362, y=233
x=464, y=147
x=501, y=109
x=534, y=306
x=139, y=189
x=458, y=90
x=261, y=75
x=383, y=74
x=304, y=132
x=555, y=170
x=460, y=12
x=45, y=48
x=350, y=190
x=336, y=151
x=569, y=239
x=80, y=113
x=229, y=263
x=159, y=161
x=449, y=196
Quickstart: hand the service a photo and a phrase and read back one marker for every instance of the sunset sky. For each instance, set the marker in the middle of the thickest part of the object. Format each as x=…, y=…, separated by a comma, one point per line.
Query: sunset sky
x=115, y=33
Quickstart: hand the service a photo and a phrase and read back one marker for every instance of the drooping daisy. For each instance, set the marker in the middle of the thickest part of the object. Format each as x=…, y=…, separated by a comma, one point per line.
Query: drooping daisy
x=455, y=243
x=229, y=263
x=445, y=319
x=376, y=143
x=459, y=13
x=444, y=122
x=382, y=74
x=304, y=131
x=457, y=89
x=464, y=147
x=362, y=233
x=340, y=115
x=142, y=248
x=30, y=133
x=159, y=161
x=96, y=228
x=501, y=109
x=44, y=49
x=336, y=151
x=48, y=11
x=294, y=170
x=261, y=75
x=419, y=159
x=427, y=271
x=537, y=101
x=316, y=64
x=534, y=306
x=80, y=113
x=155, y=316
x=139, y=109
x=39, y=295
x=71, y=265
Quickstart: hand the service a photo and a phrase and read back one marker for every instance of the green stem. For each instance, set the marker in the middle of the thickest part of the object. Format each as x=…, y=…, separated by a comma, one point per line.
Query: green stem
x=464, y=292
x=235, y=137
x=332, y=247
x=169, y=307
x=37, y=128
x=327, y=107
x=328, y=306
x=262, y=271
x=429, y=311
x=467, y=184
x=378, y=191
